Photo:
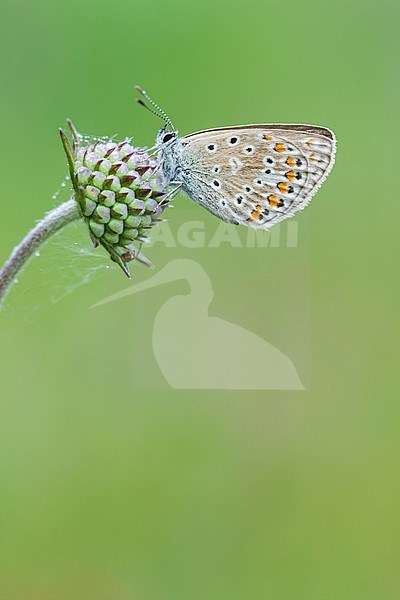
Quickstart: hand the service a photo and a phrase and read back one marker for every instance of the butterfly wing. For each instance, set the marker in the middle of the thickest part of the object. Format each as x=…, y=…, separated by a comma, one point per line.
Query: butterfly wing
x=255, y=175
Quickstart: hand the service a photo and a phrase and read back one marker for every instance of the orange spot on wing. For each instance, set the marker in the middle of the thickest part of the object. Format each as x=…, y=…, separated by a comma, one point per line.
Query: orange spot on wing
x=283, y=187
x=310, y=142
x=290, y=161
x=267, y=137
x=258, y=207
x=274, y=201
x=279, y=147
x=291, y=175
x=312, y=157
x=255, y=214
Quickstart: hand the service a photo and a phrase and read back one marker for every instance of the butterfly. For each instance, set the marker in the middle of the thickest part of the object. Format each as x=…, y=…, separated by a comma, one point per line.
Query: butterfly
x=253, y=175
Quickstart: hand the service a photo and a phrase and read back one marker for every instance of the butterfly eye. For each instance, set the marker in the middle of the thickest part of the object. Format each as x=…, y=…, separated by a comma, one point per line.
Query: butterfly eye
x=168, y=137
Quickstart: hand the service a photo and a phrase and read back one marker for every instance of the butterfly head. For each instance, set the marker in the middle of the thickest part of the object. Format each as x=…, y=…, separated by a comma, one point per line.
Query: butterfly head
x=166, y=142
x=165, y=138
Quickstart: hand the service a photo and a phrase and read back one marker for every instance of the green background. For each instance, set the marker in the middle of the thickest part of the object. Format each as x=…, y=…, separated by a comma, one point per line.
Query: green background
x=113, y=486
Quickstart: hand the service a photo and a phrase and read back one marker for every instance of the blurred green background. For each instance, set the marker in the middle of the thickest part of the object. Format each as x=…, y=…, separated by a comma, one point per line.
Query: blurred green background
x=113, y=486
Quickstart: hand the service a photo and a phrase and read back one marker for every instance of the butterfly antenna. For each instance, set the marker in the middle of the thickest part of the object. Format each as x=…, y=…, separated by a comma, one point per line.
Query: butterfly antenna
x=153, y=112
x=158, y=110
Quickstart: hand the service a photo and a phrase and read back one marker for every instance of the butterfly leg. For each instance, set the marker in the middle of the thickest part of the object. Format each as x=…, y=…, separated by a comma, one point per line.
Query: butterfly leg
x=171, y=194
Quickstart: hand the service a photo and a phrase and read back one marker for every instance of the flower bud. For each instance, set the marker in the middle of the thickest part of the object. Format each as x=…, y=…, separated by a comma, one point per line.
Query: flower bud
x=120, y=190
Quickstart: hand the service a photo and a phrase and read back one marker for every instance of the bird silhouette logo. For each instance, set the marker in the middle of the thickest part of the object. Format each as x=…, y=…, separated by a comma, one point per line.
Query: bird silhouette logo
x=197, y=351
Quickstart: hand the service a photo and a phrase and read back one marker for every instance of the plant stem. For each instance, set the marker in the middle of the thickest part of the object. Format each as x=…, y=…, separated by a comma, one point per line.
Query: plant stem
x=52, y=222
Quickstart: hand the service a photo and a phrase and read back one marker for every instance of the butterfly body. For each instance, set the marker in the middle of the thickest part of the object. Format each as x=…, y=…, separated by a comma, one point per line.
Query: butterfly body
x=255, y=175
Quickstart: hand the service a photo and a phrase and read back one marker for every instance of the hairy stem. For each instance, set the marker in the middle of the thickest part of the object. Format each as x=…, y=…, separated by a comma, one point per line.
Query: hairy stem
x=52, y=222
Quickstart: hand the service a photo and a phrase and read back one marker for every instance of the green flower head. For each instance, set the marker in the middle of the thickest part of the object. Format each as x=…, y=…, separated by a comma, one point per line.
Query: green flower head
x=120, y=190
